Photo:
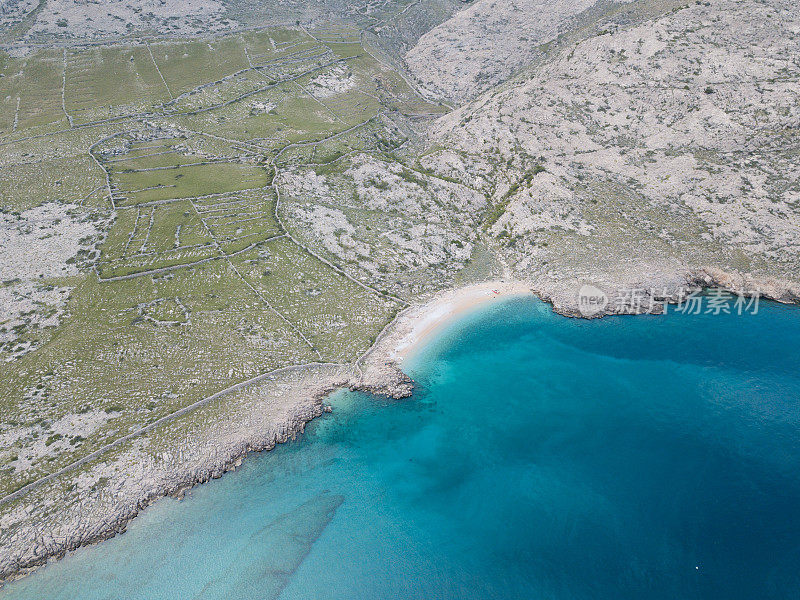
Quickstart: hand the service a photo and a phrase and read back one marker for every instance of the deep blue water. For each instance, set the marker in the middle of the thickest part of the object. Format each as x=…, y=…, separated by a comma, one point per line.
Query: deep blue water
x=540, y=457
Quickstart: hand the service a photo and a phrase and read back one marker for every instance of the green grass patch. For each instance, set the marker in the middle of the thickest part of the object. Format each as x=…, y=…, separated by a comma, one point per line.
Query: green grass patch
x=186, y=182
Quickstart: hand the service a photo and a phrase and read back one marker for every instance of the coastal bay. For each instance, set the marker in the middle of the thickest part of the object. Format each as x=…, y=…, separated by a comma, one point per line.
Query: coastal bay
x=538, y=455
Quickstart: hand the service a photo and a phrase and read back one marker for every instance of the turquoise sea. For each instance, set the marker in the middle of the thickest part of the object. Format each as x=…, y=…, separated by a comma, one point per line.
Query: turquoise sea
x=540, y=458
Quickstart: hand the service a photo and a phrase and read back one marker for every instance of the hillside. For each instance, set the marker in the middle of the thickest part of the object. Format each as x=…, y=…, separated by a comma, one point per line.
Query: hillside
x=209, y=224
x=642, y=153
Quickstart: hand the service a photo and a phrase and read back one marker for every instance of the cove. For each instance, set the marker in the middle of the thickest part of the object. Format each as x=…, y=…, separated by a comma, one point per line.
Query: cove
x=539, y=457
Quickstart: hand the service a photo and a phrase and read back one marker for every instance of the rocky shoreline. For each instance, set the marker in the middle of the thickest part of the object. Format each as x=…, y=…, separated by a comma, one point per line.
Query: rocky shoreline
x=33, y=549
x=671, y=289
x=92, y=518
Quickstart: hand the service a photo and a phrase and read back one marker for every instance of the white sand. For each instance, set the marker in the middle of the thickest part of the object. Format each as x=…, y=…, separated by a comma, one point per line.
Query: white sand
x=416, y=326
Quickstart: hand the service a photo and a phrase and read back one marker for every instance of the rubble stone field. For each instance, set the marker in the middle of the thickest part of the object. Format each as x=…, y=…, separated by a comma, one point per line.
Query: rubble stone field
x=214, y=213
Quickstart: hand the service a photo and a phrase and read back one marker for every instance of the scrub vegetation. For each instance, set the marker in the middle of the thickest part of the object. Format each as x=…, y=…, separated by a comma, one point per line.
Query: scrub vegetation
x=196, y=279
x=209, y=216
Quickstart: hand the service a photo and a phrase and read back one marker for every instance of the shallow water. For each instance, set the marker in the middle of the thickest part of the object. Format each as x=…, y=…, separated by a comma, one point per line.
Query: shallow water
x=540, y=457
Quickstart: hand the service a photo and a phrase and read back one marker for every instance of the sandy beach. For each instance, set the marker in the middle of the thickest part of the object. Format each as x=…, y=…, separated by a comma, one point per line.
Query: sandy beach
x=421, y=322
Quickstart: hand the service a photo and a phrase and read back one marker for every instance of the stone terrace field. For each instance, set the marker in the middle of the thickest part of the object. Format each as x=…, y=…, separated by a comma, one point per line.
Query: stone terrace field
x=185, y=277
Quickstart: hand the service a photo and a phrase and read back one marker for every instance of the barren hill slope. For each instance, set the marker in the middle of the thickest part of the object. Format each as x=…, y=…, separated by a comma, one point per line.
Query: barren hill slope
x=644, y=153
x=485, y=43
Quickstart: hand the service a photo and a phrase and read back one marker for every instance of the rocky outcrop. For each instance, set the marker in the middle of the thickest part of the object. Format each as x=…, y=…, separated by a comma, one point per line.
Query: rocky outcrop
x=384, y=380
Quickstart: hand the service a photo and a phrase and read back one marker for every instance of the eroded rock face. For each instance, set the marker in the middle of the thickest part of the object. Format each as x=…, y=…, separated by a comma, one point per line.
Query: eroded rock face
x=484, y=44
x=669, y=141
x=384, y=378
